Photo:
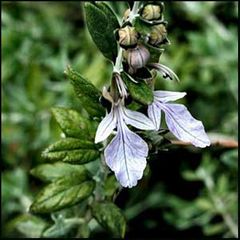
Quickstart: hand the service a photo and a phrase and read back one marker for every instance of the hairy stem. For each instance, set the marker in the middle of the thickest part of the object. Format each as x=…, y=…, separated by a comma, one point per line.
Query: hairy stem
x=133, y=14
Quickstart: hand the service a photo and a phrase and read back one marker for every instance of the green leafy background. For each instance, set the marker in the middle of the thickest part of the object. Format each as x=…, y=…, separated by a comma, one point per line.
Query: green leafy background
x=186, y=192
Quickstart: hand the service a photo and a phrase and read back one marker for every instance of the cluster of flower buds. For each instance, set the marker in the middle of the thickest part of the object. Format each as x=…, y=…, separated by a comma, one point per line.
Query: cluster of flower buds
x=143, y=32
x=134, y=53
x=152, y=14
x=136, y=43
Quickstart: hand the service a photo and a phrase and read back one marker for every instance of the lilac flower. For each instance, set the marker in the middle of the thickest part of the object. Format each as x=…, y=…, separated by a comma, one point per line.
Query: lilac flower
x=126, y=154
x=178, y=119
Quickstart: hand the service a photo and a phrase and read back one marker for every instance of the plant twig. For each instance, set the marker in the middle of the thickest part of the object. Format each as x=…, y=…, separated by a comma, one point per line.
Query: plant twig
x=223, y=143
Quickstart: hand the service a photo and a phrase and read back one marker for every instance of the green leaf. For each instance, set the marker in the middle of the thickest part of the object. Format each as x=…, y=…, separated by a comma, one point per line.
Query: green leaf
x=229, y=158
x=110, y=217
x=110, y=14
x=190, y=176
x=73, y=124
x=56, y=231
x=28, y=225
x=214, y=229
x=84, y=230
x=204, y=204
x=71, y=150
x=60, y=229
x=87, y=93
x=65, y=192
x=222, y=184
x=155, y=53
x=102, y=22
x=140, y=91
x=142, y=27
x=52, y=172
x=14, y=184
x=110, y=186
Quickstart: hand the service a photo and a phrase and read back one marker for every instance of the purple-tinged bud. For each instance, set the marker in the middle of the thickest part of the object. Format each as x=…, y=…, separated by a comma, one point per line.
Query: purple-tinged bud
x=136, y=57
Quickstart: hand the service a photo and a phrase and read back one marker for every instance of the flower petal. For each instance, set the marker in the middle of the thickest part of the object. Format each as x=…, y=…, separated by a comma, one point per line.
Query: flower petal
x=138, y=120
x=166, y=96
x=165, y=71
x=126, y=156
x=181, y=123
x=105, y=127
x=154, y=113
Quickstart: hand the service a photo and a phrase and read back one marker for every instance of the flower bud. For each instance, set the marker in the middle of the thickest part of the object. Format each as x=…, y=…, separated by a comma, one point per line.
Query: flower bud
x=128, y=37
x=158, y=34
x=136, y=57
x=152, y=12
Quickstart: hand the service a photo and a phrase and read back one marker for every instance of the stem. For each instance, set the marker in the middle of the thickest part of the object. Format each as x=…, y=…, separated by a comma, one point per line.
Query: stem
x=135, y=7
x=134, y=13
x=74, y=220
x=219, y=205
x=117, y=68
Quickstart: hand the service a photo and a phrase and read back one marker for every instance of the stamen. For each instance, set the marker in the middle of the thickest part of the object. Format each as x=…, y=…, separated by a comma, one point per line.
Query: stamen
x=122, y=88
x=166, y=72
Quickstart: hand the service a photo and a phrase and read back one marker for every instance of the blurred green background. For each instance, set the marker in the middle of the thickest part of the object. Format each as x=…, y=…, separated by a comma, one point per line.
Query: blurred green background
x=188, y=191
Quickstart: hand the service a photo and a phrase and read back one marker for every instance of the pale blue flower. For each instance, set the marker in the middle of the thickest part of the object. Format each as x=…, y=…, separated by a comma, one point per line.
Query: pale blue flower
x=178, y=119
x=126, y=153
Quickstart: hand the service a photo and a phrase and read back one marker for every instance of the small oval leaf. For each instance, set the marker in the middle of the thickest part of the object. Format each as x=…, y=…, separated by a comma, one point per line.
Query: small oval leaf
x=54, y=171
x=59, y=229
x=102, y=22
x=73, y=124
x=140, y=91
x=71, y=150
x=87, y=93
x=28, y=225
x=110, y=217
x=111, y=185
x=65, y=192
